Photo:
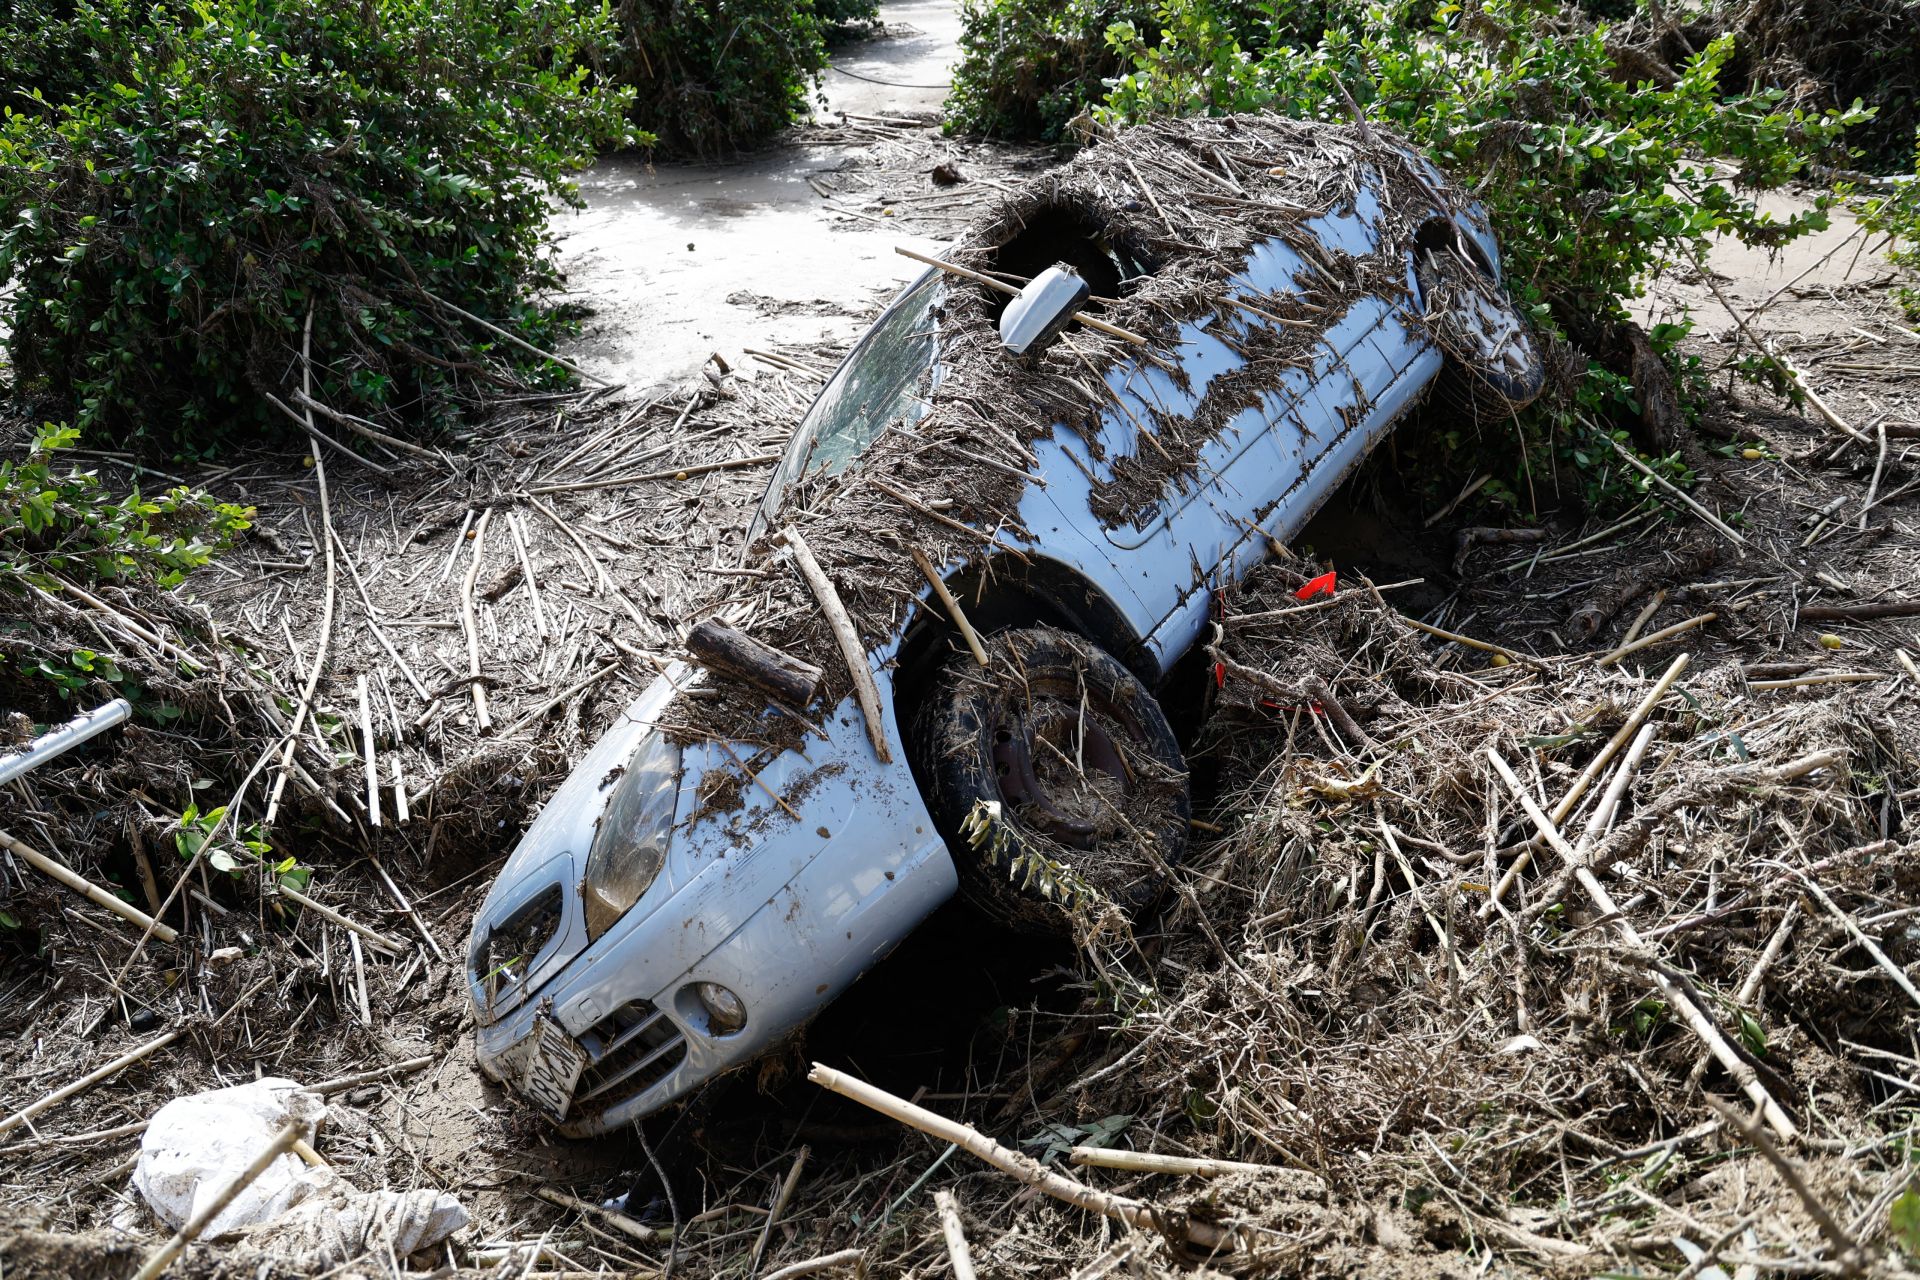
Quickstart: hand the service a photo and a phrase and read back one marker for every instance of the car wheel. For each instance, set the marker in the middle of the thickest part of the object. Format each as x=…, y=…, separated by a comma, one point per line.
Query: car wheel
x=1054, y=777
x=1494, y=367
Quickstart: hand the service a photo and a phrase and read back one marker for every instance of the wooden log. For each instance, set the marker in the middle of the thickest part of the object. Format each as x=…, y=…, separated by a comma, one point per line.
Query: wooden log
x=732, y=652
x=1862, y=612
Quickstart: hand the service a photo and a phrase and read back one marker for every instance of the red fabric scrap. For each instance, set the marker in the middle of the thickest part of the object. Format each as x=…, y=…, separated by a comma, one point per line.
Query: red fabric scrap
x=1326, y=582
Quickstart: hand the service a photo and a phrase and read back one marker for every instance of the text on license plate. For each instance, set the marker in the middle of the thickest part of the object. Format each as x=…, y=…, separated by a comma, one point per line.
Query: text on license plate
x=553, y=1067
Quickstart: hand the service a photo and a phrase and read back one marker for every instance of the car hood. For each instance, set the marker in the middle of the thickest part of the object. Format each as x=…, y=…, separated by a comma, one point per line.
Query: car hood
x=728, y=819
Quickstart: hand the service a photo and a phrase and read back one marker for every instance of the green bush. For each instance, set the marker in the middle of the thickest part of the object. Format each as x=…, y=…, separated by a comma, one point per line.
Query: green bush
x=1593, y=182
x=1895, y=213
x=59, y=526
x=713, y=76
x=228, y=169
x=1831, y=54
x=60, y=523
x=846, y=13
x=46, y=50
x=1028, y=67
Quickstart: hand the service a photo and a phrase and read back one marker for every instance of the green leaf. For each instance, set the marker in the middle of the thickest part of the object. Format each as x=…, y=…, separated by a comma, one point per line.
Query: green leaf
x=1903, y=1221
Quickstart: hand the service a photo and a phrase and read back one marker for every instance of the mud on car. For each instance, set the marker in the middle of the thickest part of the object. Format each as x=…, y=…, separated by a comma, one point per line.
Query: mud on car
x=1009, y=522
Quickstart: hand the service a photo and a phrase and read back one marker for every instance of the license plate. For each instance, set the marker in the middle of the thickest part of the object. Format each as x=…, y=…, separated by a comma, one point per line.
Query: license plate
x=553, y=1067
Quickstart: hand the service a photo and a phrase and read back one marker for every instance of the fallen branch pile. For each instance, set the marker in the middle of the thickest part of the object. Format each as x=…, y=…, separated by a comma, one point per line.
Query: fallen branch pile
x=1713, y=915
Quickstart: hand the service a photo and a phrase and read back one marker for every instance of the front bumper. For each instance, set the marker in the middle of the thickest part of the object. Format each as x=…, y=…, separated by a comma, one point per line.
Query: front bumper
x=786, y=914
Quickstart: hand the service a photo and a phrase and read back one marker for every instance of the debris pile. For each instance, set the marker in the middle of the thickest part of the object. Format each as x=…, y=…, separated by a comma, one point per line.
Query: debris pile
x=1580, y=965
x=1506, y=936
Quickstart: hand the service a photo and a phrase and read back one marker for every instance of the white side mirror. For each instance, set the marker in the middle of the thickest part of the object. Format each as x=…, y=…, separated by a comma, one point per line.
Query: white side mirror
x=1035, y=318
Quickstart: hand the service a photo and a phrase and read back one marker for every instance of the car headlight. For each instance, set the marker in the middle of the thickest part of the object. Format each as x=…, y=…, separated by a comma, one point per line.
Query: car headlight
x=725, y=1013
x=631, y=845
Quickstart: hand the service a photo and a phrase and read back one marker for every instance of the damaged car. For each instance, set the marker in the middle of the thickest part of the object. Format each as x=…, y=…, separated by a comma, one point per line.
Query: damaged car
x=994, y=535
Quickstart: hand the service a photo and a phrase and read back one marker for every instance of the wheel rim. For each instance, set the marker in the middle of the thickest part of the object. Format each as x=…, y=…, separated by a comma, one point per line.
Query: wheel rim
x=1483, y=330
x=1061, y=771
x=1494, y=334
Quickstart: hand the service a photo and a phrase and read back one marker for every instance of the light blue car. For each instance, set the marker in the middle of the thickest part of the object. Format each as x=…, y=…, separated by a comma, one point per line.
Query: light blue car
x=642, y=940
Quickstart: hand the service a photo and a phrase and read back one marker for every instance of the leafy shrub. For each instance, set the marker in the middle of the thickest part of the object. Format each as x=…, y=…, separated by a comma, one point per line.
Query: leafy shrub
x=59, y=526
x=1028, y=67
x=1895, y=213
x=712, y=76
x=60, y=523
x=1831, y=54
x=846, y=13
x=1593, y=182
x=46, y=50
x=228, y=169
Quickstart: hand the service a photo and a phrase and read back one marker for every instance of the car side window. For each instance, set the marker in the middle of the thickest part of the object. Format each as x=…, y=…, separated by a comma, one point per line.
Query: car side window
x=881, y=384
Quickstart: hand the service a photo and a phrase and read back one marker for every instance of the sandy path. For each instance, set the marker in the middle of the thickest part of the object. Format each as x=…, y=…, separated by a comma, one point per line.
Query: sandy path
x=678, y=260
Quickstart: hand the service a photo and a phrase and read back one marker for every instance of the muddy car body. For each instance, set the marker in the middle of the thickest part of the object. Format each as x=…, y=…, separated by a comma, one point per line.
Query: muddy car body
x=717, y=869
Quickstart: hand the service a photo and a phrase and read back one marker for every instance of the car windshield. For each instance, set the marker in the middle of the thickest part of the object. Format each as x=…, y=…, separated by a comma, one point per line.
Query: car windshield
x=880, y=383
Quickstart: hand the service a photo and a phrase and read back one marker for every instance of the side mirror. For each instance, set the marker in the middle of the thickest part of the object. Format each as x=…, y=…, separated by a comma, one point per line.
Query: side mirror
x=1035, y=318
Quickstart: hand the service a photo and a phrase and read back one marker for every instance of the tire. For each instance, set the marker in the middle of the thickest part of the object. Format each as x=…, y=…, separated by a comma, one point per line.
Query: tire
x=1494, y=365
x=1046, y=771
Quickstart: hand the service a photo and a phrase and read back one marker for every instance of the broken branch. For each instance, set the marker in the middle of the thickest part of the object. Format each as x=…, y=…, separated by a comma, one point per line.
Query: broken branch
x=57, y=870
x=867, y=693
x=822, y=1263
x=380, y=940
x=951, y=605
x=481, y=720
x=1149, y=1162
x=1676, y=997
x=1135, y=1213
x=87, y=1081
x=958, y=1253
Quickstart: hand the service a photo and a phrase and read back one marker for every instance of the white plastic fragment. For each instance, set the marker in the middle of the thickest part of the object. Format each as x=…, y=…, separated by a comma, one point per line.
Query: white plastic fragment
x=195, y=1145
x=311, y=1218
x=341, y=1224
